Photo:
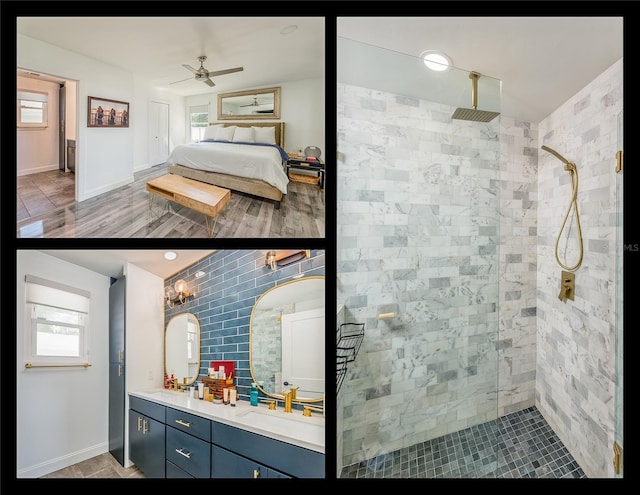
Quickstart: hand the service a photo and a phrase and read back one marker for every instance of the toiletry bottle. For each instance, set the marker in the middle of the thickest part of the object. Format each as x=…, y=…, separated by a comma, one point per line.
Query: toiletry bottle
x=254, y=394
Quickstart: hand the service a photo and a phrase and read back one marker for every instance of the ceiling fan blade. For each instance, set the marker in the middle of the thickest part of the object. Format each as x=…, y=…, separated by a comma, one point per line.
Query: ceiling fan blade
x=182, y=80
x=208, y=82
x=188, y=67
x=225, y=71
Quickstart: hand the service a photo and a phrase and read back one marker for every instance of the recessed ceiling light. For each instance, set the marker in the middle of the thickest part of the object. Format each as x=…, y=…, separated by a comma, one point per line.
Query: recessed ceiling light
x=170, y=255
x=200, y=274
x=436, y=60
x=289, y=29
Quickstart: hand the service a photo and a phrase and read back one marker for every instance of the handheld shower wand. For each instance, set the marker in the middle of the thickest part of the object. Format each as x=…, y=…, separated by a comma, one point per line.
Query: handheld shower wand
x=573, y=172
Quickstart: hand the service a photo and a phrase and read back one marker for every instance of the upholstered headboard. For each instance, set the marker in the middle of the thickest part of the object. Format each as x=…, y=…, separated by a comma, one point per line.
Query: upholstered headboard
x=279, y=128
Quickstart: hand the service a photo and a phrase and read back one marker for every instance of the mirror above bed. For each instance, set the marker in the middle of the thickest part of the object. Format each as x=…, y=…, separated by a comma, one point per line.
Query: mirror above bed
x=252, y=104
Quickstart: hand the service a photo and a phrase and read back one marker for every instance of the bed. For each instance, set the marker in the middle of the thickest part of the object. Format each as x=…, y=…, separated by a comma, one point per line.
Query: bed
x=244, y=157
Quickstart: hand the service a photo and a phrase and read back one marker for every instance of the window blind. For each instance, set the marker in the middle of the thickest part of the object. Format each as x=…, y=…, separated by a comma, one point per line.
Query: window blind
x=50, y=293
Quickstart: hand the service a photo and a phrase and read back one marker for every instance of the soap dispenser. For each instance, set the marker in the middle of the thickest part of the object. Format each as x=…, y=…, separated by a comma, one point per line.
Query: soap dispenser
x=253, y=398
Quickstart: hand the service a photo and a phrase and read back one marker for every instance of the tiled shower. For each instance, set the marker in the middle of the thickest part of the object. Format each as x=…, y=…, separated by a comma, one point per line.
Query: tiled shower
x=449, y=226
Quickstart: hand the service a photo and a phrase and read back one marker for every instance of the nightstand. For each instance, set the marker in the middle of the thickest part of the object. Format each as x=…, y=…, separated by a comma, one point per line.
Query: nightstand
x=304, y=164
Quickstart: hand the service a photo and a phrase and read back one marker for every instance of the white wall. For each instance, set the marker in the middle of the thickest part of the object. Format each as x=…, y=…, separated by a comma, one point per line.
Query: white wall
x=38, y=147
x=62, y=413
x=72, y=109
x=144, y=334
x=302, y=109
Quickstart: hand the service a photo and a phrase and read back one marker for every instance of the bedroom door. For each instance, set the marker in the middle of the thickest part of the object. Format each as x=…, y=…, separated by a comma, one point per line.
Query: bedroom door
x=158, y=132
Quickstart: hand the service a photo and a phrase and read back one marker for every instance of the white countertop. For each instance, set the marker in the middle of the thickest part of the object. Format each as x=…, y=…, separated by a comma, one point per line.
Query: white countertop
x=293, y=428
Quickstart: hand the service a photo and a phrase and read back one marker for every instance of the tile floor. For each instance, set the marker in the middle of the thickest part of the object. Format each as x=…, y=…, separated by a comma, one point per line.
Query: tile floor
x=527, y=448
x=101, y=466
x=43, y=192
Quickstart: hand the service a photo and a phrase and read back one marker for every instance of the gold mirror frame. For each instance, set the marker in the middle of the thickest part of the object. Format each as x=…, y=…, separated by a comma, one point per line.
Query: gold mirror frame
x=183, y=371
x=251, y=321
x=246, y=98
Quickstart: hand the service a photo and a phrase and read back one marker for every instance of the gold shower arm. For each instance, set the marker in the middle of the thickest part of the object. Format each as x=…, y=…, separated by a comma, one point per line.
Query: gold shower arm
x=556, y=154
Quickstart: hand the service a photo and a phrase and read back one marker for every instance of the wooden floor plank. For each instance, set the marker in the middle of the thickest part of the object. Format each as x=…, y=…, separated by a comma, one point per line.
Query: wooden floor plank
x=123, y=213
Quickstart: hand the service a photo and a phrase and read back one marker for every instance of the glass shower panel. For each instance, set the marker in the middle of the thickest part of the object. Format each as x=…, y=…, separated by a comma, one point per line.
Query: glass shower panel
x=619, y=302
x=417, y=240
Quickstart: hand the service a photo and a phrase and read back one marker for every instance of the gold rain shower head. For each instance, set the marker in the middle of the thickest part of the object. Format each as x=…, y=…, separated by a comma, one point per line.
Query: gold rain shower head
x=474, y=114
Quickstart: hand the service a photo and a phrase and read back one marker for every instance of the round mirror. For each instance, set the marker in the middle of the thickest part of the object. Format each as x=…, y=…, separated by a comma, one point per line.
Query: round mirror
x=182, y=348
x=286, y=340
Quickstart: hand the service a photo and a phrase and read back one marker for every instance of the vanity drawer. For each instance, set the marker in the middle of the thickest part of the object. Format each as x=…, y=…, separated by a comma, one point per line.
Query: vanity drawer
x=174, y=471
x=226, y=464
x=190, y=423
x=189, y=453
x=293, y=460
x=148, y=408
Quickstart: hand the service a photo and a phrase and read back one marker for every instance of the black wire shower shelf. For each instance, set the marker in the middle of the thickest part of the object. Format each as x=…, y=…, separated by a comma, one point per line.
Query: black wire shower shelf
x=348, y=341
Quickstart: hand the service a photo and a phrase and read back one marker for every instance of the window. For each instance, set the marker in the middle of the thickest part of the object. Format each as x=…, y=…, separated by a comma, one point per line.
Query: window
x=199, y=117
x=56, y=332
x=32, y=109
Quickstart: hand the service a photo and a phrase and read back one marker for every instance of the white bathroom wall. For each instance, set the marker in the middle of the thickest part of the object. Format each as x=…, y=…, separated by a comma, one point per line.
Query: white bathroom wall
x=576, y=368
x=61, y=413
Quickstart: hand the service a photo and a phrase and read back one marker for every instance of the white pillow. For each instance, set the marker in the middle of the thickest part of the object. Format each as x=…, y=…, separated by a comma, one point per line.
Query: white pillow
x=210, y=132
x=243, y=135
x=225, y=133
x=265, y=135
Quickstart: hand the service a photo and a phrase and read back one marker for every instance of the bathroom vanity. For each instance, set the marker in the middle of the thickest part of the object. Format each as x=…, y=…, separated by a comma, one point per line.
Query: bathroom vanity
x=173, y=435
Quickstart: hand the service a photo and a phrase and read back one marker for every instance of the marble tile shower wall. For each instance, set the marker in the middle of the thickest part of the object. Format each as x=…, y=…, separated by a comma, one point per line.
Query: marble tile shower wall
x=418, y=232
x=575, y=371
x=518, y=241
x=224, y=299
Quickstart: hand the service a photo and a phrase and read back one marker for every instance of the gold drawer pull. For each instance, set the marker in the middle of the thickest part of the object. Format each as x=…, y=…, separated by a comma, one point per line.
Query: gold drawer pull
x=187, y=454
x=183, y=423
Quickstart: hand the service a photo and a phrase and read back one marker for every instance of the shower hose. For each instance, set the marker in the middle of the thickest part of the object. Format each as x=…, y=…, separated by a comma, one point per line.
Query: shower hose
x=573, y=173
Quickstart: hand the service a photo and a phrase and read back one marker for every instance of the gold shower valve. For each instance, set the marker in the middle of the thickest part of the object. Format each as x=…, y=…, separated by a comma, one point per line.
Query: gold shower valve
x=567, y=286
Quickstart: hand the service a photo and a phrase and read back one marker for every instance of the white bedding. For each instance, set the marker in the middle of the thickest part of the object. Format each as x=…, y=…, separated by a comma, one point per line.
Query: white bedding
x=242, y=160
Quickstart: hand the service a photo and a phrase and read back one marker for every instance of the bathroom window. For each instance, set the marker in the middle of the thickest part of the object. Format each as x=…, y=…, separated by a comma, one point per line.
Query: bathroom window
x=57, y=324
x=32, y=109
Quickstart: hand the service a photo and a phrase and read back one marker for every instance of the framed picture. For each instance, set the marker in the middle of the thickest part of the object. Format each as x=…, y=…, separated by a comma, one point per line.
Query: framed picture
x=107, y=113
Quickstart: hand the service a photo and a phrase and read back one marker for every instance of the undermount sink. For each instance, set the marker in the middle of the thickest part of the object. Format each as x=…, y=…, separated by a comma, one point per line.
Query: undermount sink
x=309, y=428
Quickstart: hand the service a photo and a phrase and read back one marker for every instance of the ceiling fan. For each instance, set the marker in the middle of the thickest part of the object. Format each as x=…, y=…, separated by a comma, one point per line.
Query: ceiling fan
x=204, y=75
x=254, y=104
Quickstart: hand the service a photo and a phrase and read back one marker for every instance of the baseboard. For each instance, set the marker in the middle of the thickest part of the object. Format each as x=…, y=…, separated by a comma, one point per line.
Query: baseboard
x=56, y=464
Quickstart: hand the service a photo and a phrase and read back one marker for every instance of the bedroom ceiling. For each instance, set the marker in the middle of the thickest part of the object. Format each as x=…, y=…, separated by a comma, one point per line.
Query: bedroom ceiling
x=155, y=48
x=110, y=262
x=541, y=61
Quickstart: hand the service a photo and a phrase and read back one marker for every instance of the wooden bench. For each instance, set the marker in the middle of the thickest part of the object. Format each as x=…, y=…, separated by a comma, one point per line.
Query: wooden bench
x=203, y=198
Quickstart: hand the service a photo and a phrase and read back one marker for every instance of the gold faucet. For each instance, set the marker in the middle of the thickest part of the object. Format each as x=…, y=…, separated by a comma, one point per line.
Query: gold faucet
x=306, y=411
x=293, y=392
x=272, y=403
x=287, y=402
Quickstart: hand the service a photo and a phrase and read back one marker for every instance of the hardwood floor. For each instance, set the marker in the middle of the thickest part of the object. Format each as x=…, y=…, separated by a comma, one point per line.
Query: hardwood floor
x=124, y=213
x=101, y=466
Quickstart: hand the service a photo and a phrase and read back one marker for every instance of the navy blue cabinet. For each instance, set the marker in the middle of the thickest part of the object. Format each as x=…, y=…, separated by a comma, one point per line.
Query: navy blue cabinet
x=147, y=437
x=168, y=442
